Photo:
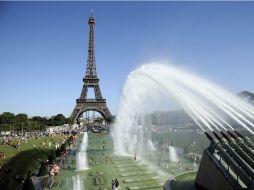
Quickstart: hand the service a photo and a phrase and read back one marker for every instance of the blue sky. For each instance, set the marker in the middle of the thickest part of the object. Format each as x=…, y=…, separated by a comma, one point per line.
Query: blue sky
x=43, y=47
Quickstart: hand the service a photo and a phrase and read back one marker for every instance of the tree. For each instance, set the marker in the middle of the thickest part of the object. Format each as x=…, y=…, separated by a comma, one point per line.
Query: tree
x=63, y=147
x=111, y=119
x=21, y=121
x=2, y=124
x=8, y=119
x=248, y=96
x=21, y=117
x=98, y=120
x=68, y=120
x=59, y=119
x=28, y=184
x=52, y=157
x=43, y=169
x=38, y=123
x=58, y=152
x=154, y=119
x=186, y=149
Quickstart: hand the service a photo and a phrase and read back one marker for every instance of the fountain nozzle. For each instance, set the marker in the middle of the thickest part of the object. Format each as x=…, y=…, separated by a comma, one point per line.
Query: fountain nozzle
x=209, y=136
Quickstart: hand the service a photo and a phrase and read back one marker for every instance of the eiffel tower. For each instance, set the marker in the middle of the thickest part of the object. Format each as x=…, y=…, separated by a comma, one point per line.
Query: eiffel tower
x=91, y=80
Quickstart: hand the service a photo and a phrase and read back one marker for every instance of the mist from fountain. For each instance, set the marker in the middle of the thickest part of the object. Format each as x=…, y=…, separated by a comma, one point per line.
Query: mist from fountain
x=150, y=145
x=81, y=159
x=209, y=105
x=172, y=154
x=195, y=161
x=140, y=139
x=77, y=183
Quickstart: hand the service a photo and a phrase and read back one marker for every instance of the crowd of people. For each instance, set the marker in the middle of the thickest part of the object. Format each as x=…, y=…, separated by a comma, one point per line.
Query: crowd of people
x=51, y=166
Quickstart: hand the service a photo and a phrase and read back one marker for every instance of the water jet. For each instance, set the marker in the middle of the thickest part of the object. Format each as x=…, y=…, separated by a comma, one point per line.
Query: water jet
x=81, y=159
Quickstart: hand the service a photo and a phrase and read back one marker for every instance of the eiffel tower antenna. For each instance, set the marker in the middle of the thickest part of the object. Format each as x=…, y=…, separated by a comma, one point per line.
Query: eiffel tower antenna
x=91, y=80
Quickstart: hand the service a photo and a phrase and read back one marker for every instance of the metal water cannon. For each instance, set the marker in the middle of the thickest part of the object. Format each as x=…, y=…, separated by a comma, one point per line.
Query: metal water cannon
x=232, y=160
x=209, y=136
x=238, y=149
x=213, y=140
x=232, y=153
x=245, y=145
x=228, y=137
x=221, y=139
x=235, y=136
x=246, y=140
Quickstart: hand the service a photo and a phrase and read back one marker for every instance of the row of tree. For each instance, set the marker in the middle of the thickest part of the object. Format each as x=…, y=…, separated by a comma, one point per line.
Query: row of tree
x=176, y=117
x=180, y=117
x=12, y=122
x=247, y=96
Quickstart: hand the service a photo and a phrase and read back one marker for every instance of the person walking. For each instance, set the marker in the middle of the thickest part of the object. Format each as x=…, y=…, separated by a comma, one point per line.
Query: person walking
x=18, y=145
x=113, y=185
x=116, y=184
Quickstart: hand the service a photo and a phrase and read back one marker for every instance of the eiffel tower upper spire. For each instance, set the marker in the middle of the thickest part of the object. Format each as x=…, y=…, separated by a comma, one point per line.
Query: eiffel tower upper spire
x=91, y=65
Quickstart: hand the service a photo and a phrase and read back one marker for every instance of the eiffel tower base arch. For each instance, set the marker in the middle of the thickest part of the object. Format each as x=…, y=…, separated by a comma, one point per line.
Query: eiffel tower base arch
x=83, y=106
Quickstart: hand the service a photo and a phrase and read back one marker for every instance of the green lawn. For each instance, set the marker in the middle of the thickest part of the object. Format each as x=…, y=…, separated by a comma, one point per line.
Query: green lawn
x=130, y=174
x=11, y=151
x=27, y=158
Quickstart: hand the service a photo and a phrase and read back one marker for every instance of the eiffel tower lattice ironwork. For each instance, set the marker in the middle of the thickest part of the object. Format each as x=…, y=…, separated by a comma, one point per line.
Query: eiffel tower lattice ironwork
x=91, y=80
